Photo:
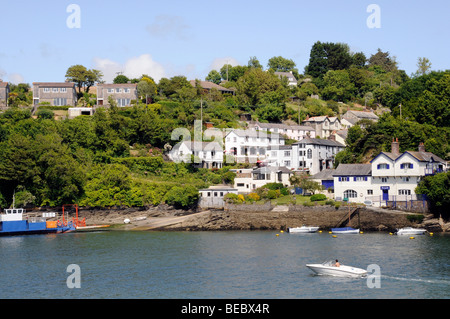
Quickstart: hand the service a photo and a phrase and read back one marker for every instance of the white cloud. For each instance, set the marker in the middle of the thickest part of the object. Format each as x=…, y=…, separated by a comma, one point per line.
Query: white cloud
x=166, y=26
x=132, y=68
x=218, y=63
x=16, y=78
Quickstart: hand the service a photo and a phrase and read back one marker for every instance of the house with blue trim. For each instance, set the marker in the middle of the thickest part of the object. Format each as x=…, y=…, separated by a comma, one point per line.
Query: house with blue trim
x=390, y=176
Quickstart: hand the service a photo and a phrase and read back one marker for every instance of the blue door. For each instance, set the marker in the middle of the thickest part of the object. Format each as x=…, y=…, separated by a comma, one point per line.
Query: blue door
x=385, y=194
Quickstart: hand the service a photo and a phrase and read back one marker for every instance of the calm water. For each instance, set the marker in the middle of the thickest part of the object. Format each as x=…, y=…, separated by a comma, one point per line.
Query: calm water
x=254, y=265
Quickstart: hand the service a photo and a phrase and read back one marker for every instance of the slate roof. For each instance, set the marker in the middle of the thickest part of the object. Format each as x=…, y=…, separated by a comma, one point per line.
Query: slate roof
x=353, y=170
x=319, y=141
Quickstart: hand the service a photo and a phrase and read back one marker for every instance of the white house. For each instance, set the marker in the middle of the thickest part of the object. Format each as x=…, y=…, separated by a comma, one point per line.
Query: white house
x=213, y=197
x=250, y=145
x=292, y=81
x=248, y=180
x=353, y=182
x=294, y=132
x=395, y=175
x=310, y=155
x=390, y=176
x=206, y=154
x=314, y=154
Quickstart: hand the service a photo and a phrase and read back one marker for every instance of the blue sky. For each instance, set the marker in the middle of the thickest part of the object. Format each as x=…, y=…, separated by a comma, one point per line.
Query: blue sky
x=180, y=37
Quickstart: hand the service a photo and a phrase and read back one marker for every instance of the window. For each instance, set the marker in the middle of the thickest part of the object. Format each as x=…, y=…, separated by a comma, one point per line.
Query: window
x=126, y=90
x=383, y=166
x=55, y=90
x=370, y=192
x=405, y=179
x=240, y=185
x=46, y=90
x=59, y=101
x=360, y=178
x=287, y=163
x=406, y=165
x=287, y=153
x=110, y=90
x=344, y=179
x=350, y=193
x=309, y=153
x=404, y=192
x=384, y=179
x=118, y=90
x=123, y=102
x=63, y=90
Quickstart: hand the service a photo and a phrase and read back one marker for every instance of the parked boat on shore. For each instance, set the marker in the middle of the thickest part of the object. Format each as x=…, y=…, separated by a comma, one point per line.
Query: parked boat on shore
x=303, y=229
x=330, y=269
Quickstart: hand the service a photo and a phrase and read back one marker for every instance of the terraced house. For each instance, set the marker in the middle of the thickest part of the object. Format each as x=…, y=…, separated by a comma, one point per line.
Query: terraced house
x=123, y=93
x=54, y=93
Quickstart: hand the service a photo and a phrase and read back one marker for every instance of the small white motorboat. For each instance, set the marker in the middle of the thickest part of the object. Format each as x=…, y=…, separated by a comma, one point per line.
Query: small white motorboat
x=345, y=230
x=303, y=229
x=411, y=231
x=329, y=268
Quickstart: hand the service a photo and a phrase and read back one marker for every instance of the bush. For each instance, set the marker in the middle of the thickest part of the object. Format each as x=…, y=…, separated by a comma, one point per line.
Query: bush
x=182, y=197
x=318, y=197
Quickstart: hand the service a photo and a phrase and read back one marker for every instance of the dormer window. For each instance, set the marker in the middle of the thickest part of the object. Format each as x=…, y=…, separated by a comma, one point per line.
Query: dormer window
x=383, y=166
x=406, y=165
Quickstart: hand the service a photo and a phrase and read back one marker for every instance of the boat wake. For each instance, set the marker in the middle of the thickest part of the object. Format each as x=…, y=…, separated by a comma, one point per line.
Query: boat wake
x=430, y=281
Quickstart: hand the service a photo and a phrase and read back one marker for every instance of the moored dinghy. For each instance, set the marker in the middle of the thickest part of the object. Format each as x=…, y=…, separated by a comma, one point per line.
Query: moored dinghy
x=411, y=231
x=345, y=230
x=303, y=229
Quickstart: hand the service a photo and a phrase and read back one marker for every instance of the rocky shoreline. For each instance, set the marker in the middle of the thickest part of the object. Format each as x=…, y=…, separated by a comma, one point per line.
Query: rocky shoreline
x=269, y=217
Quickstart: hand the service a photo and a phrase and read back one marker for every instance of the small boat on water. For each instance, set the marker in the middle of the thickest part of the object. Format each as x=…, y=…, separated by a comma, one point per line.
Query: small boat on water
x=303, y=229
x=13, y=222
x=411, y=231
x=345, y=230
x=329, y=268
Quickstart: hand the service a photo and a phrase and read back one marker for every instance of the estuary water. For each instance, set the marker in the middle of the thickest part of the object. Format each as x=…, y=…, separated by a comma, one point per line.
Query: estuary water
x=220, y=265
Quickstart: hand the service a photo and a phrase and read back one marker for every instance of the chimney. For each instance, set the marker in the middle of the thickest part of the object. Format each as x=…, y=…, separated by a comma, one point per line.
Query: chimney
x=395, y=147
x=421, y=147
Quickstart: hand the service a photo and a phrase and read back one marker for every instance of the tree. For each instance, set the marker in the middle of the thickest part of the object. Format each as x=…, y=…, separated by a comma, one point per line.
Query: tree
x=437, y=190
x=384, y=60
x=338, y=86
x=423, y=66
x=280, y=64
x=303, y=181
x=121, y=79
x=257, y=87
x=82, y=77
x=254, y=63
x=328, y=56
x=214, y=76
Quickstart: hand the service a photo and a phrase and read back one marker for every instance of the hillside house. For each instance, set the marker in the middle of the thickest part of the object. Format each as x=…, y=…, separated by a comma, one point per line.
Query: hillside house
x=249, y=145
x=122, y=93
x=248, y=180
x=294, y=132
x=323, y=125
x=205, y=154
x=208, y=86
x=54, y=93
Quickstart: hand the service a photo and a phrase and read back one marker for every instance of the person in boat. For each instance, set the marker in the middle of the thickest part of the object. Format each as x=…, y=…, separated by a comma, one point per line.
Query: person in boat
x=337, y=264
